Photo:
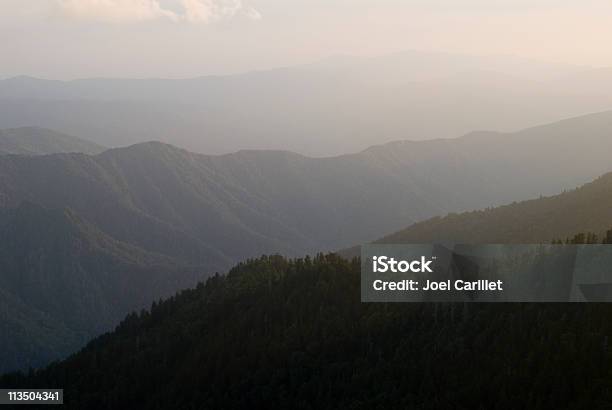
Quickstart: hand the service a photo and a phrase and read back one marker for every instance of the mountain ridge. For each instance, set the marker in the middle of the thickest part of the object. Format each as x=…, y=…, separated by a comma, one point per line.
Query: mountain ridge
x=220, y=209
x=584, y=209
x=317, y=109
x=42, y=141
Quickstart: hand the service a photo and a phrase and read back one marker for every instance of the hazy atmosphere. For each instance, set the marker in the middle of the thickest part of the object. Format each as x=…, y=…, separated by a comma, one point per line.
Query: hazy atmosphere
x=67, y=39
x=198, y=198
x=318, y=78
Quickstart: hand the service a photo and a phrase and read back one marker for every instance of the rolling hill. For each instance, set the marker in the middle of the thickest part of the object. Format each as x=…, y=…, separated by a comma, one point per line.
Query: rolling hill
x=63, y=282
x=41, y=141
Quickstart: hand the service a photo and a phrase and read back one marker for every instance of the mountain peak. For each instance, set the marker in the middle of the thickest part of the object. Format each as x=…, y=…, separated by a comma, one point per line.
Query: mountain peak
x=148, y=148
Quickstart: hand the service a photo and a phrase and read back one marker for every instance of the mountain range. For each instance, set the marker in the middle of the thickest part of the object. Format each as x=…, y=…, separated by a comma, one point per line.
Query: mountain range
x=128, y=225
x=216, y=210
x=339, y=105
x=277, y=332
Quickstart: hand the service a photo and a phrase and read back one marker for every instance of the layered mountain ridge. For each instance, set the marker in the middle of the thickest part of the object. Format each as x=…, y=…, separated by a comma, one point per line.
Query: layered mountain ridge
x=340, y=105
x=216, y=210
x=187, y=215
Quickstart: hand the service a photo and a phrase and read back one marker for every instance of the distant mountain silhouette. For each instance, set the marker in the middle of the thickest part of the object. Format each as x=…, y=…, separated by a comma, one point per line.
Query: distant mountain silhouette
x=40, y=141
x=63, y=281
x=339, y=105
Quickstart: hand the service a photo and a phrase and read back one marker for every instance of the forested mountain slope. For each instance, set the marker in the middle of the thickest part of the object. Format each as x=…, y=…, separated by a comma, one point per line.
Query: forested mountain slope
x=588, y=208
x=293, y=334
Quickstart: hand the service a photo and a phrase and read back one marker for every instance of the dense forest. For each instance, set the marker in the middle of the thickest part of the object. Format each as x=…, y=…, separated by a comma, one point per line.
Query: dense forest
x=588, y=238
x=278, y=333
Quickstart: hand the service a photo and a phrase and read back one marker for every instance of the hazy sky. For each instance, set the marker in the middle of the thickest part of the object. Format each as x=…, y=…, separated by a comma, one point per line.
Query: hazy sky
x=66, y=39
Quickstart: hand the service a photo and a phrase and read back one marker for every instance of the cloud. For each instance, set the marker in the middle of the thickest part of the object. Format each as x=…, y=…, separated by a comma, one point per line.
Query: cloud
x=252, y=13
x=204, y=11
x=129, y=11
x=117, y=11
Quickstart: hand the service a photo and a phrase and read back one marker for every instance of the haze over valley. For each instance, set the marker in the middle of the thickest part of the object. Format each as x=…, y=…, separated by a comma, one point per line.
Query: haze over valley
x=185, y=186
x=135, y=223
x=230, y=207
x=337, y=106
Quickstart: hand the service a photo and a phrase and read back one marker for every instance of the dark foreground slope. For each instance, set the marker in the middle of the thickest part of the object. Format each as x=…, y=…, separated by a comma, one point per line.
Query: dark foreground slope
x=40, y=141
x=63, y=281
x=293, y=334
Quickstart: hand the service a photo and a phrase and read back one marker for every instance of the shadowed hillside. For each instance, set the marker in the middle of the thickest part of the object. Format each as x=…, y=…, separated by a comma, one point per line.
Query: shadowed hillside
x=281, y=334
x=63, y=281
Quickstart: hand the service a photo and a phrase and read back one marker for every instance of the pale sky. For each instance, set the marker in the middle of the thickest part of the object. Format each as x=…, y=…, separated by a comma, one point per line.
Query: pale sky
x=66, y=39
